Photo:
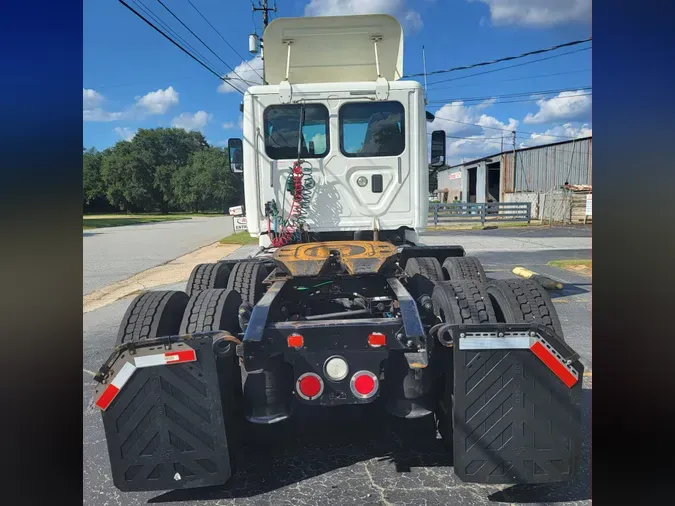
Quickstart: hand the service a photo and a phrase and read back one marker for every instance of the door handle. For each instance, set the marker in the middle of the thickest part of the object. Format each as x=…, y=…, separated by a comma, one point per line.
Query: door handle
x=399, y=170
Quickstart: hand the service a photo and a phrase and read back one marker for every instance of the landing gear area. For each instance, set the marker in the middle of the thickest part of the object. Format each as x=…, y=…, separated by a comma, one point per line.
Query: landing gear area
x=418, y=332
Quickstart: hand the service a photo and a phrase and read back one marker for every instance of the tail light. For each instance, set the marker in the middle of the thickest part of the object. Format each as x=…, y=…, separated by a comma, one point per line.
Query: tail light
x=364, y=384
x=377, y=339
x=295, y=341
x=309, y=386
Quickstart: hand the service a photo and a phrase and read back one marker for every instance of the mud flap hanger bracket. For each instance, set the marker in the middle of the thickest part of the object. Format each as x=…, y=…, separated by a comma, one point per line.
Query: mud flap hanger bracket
x=538, y=339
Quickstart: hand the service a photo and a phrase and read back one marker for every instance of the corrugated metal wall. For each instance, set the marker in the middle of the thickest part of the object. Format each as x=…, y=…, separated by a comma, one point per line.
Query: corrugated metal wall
x=548, y=167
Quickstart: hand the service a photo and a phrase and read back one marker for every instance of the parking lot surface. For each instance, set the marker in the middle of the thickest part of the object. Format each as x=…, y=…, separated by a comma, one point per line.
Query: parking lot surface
x=353, y=456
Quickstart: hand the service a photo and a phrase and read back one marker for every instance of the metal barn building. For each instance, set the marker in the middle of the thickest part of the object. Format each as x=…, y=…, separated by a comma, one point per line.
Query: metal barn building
x=532, y=175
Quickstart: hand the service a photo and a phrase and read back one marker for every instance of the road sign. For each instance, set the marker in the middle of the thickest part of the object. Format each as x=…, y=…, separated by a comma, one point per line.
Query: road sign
x=236, y=211
x=240, y=223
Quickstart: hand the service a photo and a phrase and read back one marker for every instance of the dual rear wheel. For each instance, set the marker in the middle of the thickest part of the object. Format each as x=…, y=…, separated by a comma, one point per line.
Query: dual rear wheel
x=462, y=294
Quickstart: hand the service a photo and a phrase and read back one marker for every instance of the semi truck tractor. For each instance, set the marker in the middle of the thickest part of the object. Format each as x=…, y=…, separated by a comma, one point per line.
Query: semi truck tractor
x=341, y=304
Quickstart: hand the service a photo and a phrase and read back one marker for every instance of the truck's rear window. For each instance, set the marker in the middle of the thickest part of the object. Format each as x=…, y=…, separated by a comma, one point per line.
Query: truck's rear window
x=282, y=124
x=372, y=129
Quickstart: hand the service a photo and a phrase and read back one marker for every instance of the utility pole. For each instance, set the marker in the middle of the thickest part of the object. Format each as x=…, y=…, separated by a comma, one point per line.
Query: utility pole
x=265, y=10
x=513, y=132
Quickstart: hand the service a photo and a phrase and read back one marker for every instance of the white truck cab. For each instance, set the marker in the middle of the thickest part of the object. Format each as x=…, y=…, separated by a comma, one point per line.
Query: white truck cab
x=334, y=102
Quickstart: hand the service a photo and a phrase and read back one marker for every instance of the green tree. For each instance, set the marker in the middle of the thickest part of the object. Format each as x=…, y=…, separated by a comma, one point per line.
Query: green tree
x=93, y=188
x=128, y=179
x=164, y=151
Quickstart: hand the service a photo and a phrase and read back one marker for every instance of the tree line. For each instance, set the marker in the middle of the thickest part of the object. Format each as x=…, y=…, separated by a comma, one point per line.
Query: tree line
x=160, y=170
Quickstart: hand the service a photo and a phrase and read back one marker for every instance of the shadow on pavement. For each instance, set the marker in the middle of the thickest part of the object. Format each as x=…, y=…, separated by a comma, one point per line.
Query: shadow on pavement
x=320, y=442
x=570, y=289
x=578, y=489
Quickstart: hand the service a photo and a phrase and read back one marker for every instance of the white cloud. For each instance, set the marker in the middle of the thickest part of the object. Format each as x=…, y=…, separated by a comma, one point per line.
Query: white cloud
x=187, y=121
x=228, y=125
x=558, y=133
x=245, y=74
x=413, y=19
x=537, y=13
x=566, y=106
x=158, y=102
x=409, y=18
x=99, y=115
x=125, y=133
x=90, y=99
x=472, y=133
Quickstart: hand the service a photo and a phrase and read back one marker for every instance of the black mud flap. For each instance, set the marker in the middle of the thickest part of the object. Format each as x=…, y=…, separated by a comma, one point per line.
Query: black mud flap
x=517, y=405
x=165, y=427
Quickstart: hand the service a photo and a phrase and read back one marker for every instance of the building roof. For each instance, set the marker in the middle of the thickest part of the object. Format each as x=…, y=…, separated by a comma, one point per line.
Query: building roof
x=471, y=162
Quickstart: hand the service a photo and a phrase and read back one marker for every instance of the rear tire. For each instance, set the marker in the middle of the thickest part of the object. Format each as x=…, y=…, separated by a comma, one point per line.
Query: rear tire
x=207, y=276
x=152, y=314
x=457, y=268
x=463, y=302
x=457, y=302
x=429, y=267
x=247, y=279
x=211, y=310
x=523, y=301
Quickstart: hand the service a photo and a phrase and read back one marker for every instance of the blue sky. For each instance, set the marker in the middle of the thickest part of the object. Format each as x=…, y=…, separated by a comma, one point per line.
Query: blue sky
x=134, y=78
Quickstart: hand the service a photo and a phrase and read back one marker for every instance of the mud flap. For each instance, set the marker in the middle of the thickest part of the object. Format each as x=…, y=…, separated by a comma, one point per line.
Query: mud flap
x=517, y=405
x=165, y=426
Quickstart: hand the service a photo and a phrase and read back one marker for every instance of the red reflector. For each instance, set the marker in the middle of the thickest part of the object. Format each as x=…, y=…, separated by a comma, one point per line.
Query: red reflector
x=295, y=341
x=309, y=386
x=180, y=356
x=558, y=369
x=377, y=339
x=107, y=396
x=364, y=384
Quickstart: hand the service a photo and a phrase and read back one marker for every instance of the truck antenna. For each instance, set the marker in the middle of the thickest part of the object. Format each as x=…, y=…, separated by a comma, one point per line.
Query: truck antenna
x=424, y=63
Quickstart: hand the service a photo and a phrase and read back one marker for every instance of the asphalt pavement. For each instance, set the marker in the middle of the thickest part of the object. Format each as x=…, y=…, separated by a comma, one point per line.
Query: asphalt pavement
x=116, y=253
x=360, y=456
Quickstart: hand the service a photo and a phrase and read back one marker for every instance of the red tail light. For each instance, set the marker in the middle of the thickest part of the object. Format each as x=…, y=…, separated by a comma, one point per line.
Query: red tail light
x=377, y=339
x=309, y=386
x=295, y=341
x=364, y=384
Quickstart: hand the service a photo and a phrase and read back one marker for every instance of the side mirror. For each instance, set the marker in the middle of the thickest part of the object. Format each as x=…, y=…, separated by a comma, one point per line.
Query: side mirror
x=236, y=150
x=438, y=148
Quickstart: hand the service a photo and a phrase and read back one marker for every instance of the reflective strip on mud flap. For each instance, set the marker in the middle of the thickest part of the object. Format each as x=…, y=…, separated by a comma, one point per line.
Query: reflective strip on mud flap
x=144, y=359
x=522, y=341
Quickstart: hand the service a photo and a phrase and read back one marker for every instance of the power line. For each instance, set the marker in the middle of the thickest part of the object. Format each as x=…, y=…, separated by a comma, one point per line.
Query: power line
x=177, y=44
x=224, y=40
x=445, y=104
x=500, y=129
x=506, y=58
x=199, y=39
x=171, y=31
x=510, y=66
x=519, y=94
x=517, y=79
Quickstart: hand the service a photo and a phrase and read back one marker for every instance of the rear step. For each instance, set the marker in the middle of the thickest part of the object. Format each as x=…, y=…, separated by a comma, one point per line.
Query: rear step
x=164, y=426
x=517, y=404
